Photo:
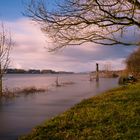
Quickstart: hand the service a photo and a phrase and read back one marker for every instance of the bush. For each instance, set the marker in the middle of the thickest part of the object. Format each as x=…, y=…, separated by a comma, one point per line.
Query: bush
x=123, y=80
x=127, y=79
x=133, y=63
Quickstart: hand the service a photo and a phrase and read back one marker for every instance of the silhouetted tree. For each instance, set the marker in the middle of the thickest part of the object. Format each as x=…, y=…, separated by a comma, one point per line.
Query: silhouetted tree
x=5, y=47
x=74, y=22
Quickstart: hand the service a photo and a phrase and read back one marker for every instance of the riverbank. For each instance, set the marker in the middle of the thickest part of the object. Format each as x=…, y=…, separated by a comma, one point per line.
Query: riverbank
x=111, y=115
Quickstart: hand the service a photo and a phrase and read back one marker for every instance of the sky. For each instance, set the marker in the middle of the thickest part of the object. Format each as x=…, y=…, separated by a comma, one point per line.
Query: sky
x=30, y=50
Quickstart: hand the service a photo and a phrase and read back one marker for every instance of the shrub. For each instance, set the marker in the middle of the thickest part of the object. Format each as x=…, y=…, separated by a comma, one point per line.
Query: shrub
x=133, y=63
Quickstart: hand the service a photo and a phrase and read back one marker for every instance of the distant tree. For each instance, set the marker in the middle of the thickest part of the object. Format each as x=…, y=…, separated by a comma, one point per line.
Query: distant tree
x=107, y=67
x=74, y=22
x=133, y=63
x=5, y=47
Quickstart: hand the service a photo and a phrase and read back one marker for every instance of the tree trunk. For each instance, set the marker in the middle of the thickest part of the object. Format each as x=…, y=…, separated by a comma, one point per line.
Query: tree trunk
x=1, y=86
x=0, y=81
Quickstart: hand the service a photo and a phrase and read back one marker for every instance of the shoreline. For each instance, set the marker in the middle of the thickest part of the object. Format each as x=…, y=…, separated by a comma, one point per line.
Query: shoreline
x=112, y=115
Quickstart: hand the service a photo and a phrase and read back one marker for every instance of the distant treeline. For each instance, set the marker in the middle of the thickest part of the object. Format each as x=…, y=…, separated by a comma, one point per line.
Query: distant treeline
x=34, y=71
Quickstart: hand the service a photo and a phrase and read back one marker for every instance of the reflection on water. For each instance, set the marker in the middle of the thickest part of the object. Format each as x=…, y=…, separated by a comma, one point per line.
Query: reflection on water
x=19, y=115
x=97, y=84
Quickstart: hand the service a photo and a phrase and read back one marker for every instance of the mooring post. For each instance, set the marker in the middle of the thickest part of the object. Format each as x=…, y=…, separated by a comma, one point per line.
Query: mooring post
x=97, y=72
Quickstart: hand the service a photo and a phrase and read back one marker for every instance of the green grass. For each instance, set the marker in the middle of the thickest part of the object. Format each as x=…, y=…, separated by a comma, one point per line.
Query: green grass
x=113, y=115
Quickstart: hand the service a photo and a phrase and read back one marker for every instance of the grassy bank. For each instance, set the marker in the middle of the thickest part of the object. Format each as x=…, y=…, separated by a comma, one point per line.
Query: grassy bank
x=114, y=115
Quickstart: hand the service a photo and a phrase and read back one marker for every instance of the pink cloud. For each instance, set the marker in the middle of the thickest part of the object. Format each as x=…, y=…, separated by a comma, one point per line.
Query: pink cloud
x=30, y=51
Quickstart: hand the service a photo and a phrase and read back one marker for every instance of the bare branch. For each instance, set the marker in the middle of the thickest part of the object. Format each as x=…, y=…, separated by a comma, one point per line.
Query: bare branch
x=80, y=21
x=6, y=44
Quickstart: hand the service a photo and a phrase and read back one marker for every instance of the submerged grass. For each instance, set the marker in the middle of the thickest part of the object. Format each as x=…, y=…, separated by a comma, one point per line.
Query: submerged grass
x=113, y=115
x=20, y=91
x=29, y=90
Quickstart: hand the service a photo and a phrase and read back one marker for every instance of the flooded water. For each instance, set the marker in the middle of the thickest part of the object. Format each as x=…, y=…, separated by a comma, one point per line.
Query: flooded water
x=19, y=115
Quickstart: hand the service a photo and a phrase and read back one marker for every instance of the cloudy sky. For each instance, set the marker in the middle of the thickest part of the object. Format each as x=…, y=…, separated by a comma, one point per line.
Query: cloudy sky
x=30, y=50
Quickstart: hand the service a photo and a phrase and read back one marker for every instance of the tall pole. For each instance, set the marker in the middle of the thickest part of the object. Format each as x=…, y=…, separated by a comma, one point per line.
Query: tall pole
x=97, y=72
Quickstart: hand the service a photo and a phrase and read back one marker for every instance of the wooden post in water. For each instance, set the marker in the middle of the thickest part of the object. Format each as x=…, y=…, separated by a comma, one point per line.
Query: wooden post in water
x=57, y=82
x=97, y=72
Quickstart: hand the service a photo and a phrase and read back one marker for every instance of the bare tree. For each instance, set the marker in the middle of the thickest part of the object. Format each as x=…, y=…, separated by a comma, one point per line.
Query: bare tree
x=107, y=67
x=5, y=47
x=74, y=22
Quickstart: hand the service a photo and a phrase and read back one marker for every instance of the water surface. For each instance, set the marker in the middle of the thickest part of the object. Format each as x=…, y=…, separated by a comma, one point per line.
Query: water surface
x=19, y=115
